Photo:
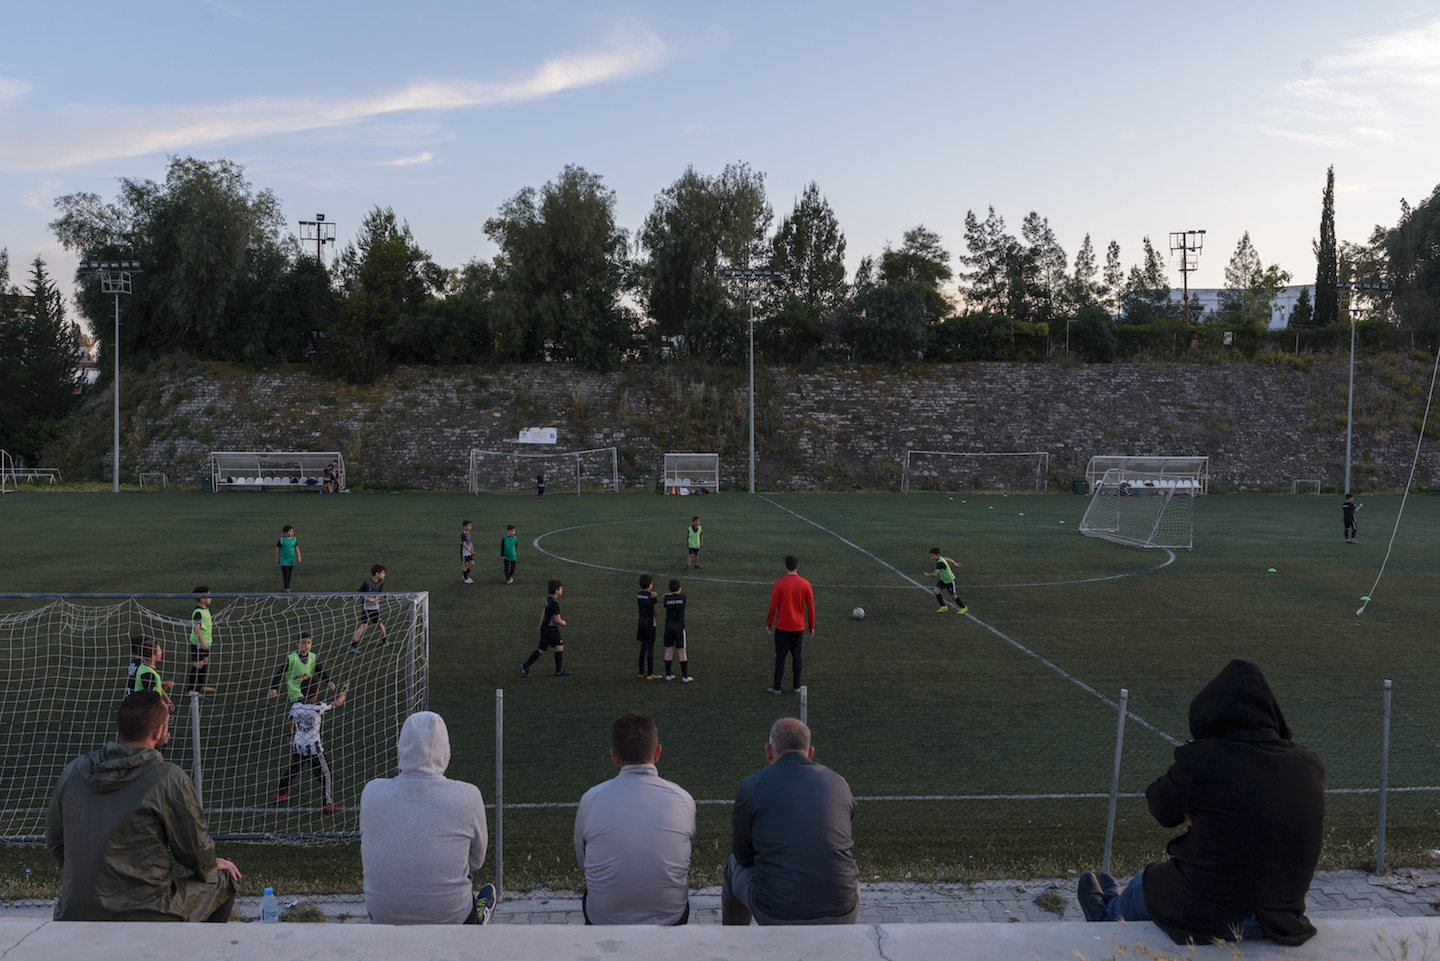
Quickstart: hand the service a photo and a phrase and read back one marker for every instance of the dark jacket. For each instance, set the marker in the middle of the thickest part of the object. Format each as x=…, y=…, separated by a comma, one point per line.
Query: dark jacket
x=115, y=819
x=792, y=823
x=1256, y=800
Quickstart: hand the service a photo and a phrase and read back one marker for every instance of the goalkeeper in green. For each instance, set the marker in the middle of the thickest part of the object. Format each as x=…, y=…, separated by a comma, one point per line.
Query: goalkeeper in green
x=944, y=573
x=300, y=666
x=145, y=658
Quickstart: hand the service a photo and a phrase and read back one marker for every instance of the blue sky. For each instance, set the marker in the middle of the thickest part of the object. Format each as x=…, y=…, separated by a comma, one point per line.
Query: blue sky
x=1117, y=119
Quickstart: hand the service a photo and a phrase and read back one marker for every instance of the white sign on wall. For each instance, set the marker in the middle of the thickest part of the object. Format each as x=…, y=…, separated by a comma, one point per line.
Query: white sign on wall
x=537, y=435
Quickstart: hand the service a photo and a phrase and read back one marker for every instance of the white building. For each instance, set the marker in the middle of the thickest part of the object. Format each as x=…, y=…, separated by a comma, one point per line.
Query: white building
x=1209, y=299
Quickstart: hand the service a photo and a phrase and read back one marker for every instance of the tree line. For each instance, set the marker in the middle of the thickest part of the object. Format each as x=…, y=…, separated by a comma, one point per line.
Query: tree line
x=224, y=279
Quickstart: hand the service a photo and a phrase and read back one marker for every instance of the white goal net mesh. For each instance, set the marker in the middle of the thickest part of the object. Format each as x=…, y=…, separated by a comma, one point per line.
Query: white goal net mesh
x=65, y=665
x=939, y=470
x=565, y=472
x=1144, y=510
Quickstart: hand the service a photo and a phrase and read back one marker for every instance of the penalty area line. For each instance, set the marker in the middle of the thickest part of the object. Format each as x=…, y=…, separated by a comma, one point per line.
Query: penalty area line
x=1004, y=637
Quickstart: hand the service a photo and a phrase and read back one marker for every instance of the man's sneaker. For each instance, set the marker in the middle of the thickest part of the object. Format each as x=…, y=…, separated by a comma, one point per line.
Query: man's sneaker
x=281, y=798
x=331, y=808
x=524, y=671
x=942, y=609
x=961, y=610
x=485, y=902
x=772, y=690
x=687, y=678
x=562, y=673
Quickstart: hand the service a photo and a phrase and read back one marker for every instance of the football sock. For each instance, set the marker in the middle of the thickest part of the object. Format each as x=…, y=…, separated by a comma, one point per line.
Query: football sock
x=534, y=656
x=684, y=668
x=559, y=660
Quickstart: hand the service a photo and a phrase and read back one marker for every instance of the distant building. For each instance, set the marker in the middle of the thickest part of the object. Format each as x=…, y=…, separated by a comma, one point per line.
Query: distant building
x=1209, y=299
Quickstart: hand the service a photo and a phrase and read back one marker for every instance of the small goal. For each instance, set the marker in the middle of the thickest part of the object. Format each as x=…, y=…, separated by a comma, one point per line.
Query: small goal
x=691, y=473
x=949, y=470
x=154, y=478
x=256, y=470
x=1189, y=468
x=8, y=482
x=566, y=472
x=1305, y=485
x=1142, y=510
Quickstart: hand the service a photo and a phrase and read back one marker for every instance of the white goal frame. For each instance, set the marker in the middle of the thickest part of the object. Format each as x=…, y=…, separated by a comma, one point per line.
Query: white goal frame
x=258, y=470
x=1194, y=468
x=1306, y=483
x=155, y=478
x=1042, y=464
x=686, y=471
x=8, y=481
x=473, y=477
x=1143, y=510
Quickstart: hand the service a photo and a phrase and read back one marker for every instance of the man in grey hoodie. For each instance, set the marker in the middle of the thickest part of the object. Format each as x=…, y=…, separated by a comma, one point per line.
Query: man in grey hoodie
x=421, y=834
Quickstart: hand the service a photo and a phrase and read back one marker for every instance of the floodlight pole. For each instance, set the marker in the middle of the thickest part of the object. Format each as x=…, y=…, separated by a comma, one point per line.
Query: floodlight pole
x=1188, y=244
x=747, y=278
x=115, y=278
x=1350, y=289
x=319, y=231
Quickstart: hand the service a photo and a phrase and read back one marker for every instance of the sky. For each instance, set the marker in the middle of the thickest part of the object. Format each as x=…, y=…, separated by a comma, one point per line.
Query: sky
x=1120, y=120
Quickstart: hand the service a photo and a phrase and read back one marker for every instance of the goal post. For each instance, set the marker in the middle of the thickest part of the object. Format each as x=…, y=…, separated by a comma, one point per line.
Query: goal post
x=1192, y=468
x=66, y=658
x=948, y=470
x=688, y=472
x=1142, y=510
x=566, y=472
x=1305, y=485
x=8, y=481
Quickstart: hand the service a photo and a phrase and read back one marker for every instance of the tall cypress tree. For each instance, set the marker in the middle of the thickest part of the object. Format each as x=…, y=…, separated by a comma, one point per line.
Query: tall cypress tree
x=1327, y=263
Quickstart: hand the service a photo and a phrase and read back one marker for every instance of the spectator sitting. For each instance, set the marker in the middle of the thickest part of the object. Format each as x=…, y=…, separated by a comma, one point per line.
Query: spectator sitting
x=793, y=859
x=421, y=834
x=633, y=834
x=1253, y=802
x=117, y=817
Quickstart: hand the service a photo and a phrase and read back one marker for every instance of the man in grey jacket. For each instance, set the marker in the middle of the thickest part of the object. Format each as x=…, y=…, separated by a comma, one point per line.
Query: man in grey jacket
x=792, y=858
x=421, y=834
x=633, y=834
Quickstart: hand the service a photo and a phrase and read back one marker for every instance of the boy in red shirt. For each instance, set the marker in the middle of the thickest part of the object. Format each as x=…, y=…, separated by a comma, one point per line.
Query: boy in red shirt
x=792, y=610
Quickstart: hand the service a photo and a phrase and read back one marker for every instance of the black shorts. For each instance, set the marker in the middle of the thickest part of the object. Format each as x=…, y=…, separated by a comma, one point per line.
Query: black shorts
x=370, y=617
x=949, y=588
x=694, y=550
x=549, y=639
x=467, y=558
x=198, y=654
x=645, y=633
x=675, y=638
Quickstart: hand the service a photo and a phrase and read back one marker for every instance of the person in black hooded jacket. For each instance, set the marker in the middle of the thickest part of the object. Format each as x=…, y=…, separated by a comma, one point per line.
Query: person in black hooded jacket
x=1253, y=802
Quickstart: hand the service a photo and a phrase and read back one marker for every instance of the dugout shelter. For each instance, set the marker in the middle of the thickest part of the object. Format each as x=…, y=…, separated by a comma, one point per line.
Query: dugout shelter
x=273, y=470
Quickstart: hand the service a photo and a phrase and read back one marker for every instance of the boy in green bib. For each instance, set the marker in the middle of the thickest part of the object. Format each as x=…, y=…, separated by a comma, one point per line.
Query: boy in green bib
x=300, y=666
x=145, y=658
x=696, y=538
x=944, y=573
x=200, y=640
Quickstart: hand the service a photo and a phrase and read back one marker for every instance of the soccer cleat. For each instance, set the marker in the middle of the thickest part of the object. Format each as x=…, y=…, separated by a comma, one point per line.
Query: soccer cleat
x=524, y=671
x=772, y=690
x=485, y=902
x=385, y=643
x=942, y=609
x=961, y=610
x=687, y=678
x=331, y=808
x=669, y=677
x=207, y=690
x=562, y=673
x=281, y=798
x=652, y=677
x=643, y=676
x=352, y=649
x=466, y=580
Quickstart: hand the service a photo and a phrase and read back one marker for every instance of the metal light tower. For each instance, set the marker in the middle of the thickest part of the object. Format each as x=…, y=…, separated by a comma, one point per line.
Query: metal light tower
x=320, y=232
x=114, y=279
x=1350, y=307
x=1187, y=244
x=749, y=292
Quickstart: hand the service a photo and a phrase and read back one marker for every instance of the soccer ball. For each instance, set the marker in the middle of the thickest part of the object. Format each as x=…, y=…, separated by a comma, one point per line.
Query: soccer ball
x=858, y=613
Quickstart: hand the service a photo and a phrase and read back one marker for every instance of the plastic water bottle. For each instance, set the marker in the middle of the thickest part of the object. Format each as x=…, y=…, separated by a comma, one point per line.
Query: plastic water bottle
x=269, y=907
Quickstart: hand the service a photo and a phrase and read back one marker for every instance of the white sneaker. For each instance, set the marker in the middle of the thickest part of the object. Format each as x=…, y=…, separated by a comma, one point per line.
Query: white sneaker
x=687, y=678
x=467, y=580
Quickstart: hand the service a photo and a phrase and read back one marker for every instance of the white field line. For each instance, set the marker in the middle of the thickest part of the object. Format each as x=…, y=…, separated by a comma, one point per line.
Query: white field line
x=1009, y=640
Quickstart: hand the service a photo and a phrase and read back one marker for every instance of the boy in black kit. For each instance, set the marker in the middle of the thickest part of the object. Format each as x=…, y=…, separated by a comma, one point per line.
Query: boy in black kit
x=675, y=632
x=370, y=607
x=645, y=632
x=550, y=624
x=1348, y=509
x=540, y=485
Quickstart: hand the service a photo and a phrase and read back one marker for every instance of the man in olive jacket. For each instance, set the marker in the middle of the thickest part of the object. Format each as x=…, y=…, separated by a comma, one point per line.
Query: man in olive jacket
x=1253, y=802
x=115, y=819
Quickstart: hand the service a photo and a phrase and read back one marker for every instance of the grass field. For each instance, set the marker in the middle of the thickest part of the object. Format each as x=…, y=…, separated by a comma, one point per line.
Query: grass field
x=905, y=702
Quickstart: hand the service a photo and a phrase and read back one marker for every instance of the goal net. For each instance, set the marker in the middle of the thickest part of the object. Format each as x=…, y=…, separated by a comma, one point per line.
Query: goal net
x=1144, y=510
x=66, y=661
x=685, y=473
x=566, y=472
x=945, y=470
x=1189, y=468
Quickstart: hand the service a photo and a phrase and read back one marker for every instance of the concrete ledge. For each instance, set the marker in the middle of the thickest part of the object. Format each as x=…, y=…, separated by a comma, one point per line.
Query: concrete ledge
x=37, y=940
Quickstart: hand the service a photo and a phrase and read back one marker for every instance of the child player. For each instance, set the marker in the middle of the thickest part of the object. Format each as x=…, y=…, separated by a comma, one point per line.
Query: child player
x=645, y=631
x=200, y=639
x=287, y=554
x=145, y=658
x=675, y=632
x=508, y=544
x=467, y=553
x=696, y=538
x=1348, y=509
x=550, y=624
x=370, y=607
x=304, y=721
x=540, y=485
x=945, y=568
x=300, y=666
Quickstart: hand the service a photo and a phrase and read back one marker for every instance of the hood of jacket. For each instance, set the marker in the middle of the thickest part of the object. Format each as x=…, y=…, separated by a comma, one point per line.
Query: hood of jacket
x=424, y=745
x=116, y=765
x=1238, y=704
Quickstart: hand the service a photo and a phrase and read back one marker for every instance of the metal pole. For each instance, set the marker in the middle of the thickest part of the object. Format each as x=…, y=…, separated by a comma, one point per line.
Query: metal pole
x=115, y=474
x=1384, y=781
x=1350, y=411
x=196, y=774
x=499, y=792
x=1115, y=780
x=752, y=388
x=804, y=704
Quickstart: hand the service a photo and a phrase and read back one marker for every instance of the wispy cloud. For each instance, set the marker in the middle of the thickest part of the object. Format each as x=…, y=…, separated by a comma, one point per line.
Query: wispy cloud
x=1373, y=94
x=172, y=130
x=12, y=89
x=232, y=12
x=419, y=158
x=39, y=199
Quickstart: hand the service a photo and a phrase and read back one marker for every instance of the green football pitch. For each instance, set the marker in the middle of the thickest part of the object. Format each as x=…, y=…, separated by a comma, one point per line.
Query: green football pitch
x=973, y=734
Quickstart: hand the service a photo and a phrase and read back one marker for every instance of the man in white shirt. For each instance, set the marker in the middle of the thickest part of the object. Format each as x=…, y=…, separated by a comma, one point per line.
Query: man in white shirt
x=633, y=835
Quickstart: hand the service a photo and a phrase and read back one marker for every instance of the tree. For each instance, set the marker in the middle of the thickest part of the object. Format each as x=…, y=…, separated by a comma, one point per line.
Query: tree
x=1327, y=273
x=1146, y=295
x=38, y=362
x=1412, y=264
x=1114, y=282
x=563, y=263
x=923, y=263
x=809, y=249
x=884, y=323
x=988, y=252
x=1243, y=266
x=1050, y=266
x=1092, y=336
x=1084, y=287
x=1303, y=313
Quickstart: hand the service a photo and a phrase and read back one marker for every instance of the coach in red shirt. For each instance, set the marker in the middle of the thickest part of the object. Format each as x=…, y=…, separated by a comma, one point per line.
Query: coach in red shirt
x=792, y=610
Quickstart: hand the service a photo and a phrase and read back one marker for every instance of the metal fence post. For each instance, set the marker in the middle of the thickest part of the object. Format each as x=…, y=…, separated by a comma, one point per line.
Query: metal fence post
x=804, y=704
x=499, y=792
x=1384, y=781
x=1115, y=779
x=196, y=773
